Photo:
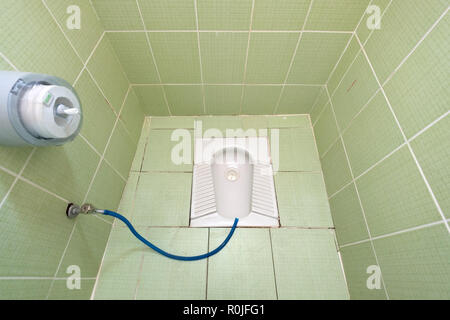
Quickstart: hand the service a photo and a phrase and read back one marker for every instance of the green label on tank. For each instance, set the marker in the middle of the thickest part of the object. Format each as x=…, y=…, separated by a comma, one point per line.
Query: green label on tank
x=48, y=98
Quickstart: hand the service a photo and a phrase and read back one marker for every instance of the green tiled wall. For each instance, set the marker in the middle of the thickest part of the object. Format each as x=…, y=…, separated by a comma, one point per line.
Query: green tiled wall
x=38, y=243
x=382, y=131
x=235, y=44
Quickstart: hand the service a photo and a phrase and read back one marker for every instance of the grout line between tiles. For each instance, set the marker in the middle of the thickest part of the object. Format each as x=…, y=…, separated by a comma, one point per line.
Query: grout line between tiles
x=273, y=264
x=317, y=100
x=114, y=221
x=244, y=77
x=154, y=58
x=388, y=235
x=99, y=154
x=8, y=61
x=85, y=63
x=89, y=58
x=95, y=10
x=414, y=48
x=61, y=260
x=94, y=289
x=418, y=134
x=349, y=124
x=419, y=167
x=106, y=147
x=359, y=51
x=231, y=31
x=17, y=177
x=357, y=191
x=227, y=84
x=293, y=57
x=62, y=31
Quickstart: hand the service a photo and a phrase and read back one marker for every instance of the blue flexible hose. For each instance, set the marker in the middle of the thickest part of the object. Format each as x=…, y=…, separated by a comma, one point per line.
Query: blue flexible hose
x=164, y=253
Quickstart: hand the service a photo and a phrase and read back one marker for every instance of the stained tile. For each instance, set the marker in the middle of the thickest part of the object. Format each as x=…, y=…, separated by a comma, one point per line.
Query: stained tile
x=355, y=90
x=432, y=150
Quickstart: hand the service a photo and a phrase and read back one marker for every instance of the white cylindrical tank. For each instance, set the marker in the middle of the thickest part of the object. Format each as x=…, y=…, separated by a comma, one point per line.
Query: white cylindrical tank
x=232, y=173
x=37, y=109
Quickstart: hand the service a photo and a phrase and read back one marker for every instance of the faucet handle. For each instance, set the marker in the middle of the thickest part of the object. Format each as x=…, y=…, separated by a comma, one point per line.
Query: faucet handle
x=88, y=208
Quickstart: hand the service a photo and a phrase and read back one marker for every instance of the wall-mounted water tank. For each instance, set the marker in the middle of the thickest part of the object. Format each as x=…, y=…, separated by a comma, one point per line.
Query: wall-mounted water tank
x=37, y=109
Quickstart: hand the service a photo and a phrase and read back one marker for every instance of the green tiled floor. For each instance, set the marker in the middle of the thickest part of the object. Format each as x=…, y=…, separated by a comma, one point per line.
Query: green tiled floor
x=299, y=260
